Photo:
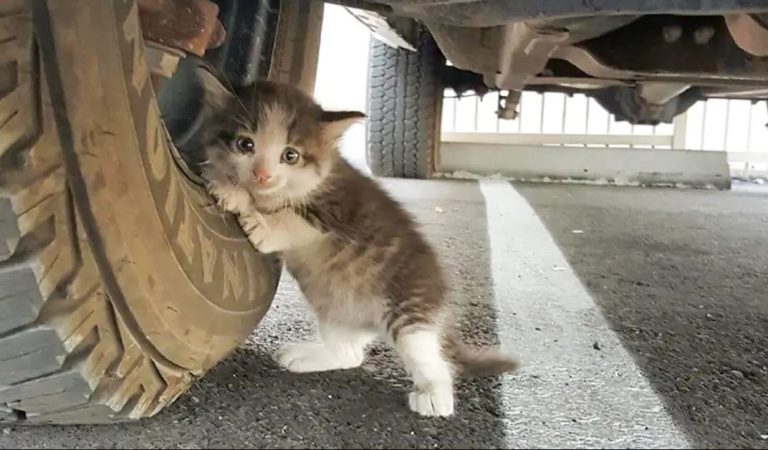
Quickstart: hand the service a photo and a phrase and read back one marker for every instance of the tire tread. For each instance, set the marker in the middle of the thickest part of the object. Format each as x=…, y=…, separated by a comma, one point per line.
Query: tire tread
x=64, y=357
x=404, y=92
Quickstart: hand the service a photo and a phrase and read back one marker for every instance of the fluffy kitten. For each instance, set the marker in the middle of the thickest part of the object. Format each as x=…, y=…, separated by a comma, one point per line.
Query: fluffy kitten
x=272, y=159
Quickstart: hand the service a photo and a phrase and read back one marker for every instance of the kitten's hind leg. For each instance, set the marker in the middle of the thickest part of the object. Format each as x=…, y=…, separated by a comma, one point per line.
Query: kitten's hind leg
x=341, y=347
x=422, y=353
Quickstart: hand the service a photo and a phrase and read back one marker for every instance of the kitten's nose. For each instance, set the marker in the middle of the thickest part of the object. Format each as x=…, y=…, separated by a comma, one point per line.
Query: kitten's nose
x=261, y=174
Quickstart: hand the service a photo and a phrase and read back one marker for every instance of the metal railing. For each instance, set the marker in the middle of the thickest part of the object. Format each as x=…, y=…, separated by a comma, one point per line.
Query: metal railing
x=737, y=127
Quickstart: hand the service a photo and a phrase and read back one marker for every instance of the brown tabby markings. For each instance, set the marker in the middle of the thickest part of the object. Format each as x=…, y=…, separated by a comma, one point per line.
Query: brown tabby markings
x=356, y=254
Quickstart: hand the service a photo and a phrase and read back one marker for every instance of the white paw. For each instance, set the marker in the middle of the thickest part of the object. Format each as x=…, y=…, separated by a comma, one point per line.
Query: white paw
x=266, y=246
x=437, y=401
x=314, y=357
x=233, y=204
x=256, y=230
x=300, y=357
x=252, y=224
x=232, y=199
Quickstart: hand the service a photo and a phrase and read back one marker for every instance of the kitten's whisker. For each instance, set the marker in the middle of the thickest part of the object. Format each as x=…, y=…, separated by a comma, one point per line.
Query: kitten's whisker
x=231, y=89
x=245, y=122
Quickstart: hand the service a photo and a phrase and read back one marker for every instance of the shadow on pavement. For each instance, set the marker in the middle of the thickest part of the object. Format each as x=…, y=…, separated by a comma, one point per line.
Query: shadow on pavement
x=681, y=277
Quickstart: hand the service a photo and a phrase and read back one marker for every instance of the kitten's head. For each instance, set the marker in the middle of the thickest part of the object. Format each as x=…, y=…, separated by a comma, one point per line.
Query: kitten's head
x=270, y=138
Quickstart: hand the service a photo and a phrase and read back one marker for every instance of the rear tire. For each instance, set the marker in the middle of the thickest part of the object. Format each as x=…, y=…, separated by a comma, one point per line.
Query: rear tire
x=404, y=108
x=119, y=284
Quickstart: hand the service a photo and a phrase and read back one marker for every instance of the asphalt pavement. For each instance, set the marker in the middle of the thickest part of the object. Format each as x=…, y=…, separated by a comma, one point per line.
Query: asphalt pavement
x=640, y=318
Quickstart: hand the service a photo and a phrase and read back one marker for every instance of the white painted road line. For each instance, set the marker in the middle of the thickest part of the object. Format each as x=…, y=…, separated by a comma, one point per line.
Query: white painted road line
x=567, y=393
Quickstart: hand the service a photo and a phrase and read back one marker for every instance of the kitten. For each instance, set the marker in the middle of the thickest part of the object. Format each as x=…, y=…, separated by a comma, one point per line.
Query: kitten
x=272, y=159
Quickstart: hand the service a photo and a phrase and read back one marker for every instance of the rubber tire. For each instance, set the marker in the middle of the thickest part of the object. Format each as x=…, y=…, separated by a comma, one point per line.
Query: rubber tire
x=119, y=283
x=297, y=43
x=404, y=108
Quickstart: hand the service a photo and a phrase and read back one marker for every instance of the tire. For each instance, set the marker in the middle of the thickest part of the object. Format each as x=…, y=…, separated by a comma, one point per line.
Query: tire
x=297, y=43
x=404, y=108
x=119, y=284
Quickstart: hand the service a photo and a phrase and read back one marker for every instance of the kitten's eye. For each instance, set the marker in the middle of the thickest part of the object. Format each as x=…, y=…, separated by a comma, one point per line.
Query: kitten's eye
x=245, y=144
x=290, y=156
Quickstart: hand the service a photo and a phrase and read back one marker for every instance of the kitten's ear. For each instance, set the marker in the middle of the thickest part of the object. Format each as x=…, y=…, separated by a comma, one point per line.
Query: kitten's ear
x=215, y=93
x=335, y=123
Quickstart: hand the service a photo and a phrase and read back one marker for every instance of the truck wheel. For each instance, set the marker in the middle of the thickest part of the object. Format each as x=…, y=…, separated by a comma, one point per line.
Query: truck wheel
x=404, y=108
x=119, y=283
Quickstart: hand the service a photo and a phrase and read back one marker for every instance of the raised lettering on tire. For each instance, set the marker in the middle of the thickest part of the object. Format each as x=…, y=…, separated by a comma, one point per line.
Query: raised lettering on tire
x=82, y=337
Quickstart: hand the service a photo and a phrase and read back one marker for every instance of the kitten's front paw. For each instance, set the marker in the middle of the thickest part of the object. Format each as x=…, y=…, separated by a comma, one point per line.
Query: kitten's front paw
x=436, y=401
x=301, y=357
x=266, y=246
x=315, y=357
x=231, y=199
x=231, y=205
x=256, y=230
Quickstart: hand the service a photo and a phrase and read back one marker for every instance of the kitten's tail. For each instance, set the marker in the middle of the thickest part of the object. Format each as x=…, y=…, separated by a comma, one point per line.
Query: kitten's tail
x=472, y=361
